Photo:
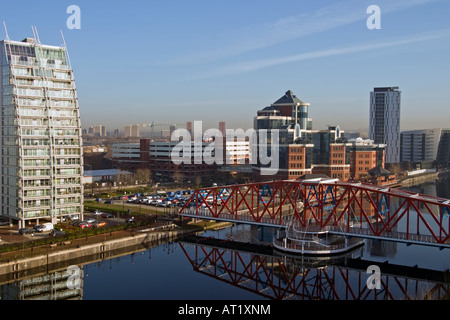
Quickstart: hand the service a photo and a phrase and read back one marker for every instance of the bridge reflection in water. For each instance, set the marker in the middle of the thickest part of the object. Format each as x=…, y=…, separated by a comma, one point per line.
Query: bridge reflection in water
x=277, y=276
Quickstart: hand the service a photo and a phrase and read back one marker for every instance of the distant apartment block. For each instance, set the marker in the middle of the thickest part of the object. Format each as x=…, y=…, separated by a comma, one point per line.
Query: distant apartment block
x=132, y=131
x=384, y=123
x=41, y=147
x=426, y=145
x=99, y=131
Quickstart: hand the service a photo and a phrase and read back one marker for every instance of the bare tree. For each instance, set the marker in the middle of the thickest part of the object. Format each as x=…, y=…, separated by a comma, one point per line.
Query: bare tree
x=143, y=175
x=178, y=177
x=197, y=181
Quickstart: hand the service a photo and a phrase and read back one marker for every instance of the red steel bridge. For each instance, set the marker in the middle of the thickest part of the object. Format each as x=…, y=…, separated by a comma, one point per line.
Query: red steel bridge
x=342, y=208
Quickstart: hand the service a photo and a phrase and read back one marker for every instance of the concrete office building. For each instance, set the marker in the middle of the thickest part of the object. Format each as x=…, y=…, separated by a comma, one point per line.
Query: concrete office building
x=157, y=156
x=427, y=145
x=41, y=147
x=384, y=126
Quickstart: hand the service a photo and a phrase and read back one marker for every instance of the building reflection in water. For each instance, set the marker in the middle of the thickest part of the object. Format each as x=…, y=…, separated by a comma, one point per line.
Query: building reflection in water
x=57, y=285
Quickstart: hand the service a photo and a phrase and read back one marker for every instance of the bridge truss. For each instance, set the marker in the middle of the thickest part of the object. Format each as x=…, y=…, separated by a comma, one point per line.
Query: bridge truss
x=349, y=209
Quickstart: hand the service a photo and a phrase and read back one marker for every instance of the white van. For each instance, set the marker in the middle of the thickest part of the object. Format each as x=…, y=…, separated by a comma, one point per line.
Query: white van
x=45, y=227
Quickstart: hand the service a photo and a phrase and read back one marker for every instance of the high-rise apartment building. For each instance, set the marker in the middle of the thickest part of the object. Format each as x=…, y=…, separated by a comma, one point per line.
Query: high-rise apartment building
x=384, y=126
x=41, y=148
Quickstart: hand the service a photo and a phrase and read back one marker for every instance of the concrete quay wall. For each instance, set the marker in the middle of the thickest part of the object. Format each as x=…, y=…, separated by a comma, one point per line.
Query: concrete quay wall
x=59, y=256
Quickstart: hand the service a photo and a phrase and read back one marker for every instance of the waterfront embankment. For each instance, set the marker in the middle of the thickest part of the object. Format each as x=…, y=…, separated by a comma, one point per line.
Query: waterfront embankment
x=424, y=178
x=42, y=258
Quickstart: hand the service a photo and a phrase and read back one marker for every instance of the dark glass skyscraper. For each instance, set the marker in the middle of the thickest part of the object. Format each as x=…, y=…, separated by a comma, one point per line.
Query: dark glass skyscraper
x=384, y=126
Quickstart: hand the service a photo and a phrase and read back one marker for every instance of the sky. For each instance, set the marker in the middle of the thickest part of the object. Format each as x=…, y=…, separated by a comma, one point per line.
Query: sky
x=174, y=61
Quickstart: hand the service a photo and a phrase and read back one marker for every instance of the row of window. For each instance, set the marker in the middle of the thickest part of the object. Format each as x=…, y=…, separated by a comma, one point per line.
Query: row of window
x=41, y=73
x=47, y=192
x=296, y=149
x=44, y=83
x=21, y=101
x=47, y=182
x=47, y=202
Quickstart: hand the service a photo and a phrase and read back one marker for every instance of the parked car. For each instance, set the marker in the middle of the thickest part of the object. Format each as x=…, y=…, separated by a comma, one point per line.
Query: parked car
x=107, y=215
x=131, y=199
x=44, y=227
x=55, y=233
x=130, y=220
x=85, y=224
x=4, y=222
x=98, y=224
x=155, y=202
x=109, y=201
x=97, y=213
x=90, y=220
x=76, y=223
x=26, y=231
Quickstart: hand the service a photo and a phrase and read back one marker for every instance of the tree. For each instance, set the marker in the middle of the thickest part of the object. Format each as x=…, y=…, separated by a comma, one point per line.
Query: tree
x=178, y=177
x=197, y=181
x=143, y=175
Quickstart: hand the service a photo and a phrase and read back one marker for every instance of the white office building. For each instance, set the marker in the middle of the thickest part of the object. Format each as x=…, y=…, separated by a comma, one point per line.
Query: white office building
x=384, y=126
x=41, y=148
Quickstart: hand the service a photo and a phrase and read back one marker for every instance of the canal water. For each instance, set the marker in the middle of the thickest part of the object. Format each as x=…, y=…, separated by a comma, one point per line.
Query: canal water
x=194, y=271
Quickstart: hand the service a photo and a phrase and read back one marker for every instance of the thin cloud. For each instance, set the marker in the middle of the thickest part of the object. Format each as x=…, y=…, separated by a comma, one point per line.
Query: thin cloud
x=296, y=26
x=249, y=66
